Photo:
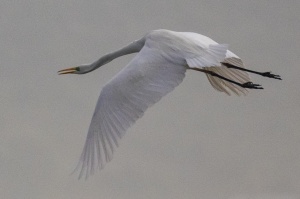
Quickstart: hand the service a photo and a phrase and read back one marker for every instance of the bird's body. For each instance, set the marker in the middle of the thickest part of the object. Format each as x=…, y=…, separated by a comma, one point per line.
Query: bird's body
x=160, y=65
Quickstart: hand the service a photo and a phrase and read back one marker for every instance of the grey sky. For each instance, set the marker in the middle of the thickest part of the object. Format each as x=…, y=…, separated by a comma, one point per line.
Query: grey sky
x=195, y=143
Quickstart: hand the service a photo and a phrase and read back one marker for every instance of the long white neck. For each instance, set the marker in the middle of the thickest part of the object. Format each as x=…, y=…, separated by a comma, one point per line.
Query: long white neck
x=133, y=47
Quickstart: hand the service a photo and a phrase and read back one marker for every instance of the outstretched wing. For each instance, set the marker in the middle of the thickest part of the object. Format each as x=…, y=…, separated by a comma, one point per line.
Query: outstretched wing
x=124, y=99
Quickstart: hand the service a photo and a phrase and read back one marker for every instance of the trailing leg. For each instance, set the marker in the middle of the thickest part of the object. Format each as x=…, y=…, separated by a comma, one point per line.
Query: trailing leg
x=264, y=74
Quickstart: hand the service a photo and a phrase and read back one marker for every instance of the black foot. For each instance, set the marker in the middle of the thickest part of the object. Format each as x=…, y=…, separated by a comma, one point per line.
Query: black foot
x=270, y=75
x=251, y=85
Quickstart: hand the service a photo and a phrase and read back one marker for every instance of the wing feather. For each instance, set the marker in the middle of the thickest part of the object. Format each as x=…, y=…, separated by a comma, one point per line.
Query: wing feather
x=122, y=101
x=212, y=56
x=224, y=86
x=233, y=74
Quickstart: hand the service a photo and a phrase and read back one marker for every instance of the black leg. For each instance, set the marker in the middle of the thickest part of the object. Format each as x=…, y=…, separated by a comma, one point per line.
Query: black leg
x=245, y=85
x=265, y=74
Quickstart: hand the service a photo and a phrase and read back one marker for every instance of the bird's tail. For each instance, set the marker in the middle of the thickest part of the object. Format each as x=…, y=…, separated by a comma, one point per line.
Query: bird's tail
x=229, y=73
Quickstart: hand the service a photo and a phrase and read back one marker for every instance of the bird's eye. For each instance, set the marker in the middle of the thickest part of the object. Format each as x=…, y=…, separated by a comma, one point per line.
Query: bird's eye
x=77, y=69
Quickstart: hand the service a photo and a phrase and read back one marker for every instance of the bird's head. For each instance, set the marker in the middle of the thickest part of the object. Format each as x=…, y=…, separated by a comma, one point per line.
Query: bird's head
x=82, y=69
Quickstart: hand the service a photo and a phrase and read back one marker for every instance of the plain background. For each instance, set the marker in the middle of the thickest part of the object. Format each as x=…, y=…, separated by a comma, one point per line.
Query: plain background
x=194, y=143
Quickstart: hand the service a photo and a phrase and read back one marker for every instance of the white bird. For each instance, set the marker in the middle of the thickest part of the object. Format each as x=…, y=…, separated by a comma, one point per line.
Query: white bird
x=160, y=65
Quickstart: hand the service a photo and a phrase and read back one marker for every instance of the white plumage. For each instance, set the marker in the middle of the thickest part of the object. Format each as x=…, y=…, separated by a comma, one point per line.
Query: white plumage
x=160, y=65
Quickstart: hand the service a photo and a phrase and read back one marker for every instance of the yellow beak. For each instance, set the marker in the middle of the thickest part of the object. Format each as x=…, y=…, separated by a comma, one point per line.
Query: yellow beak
x=67, y=71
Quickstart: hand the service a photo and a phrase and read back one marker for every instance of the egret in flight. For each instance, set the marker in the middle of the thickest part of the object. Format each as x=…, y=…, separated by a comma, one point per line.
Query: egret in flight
x=160, y=65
